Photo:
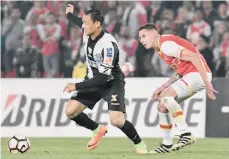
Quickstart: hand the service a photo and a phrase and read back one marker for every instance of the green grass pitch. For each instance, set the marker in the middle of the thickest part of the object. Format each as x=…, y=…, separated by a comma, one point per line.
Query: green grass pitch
x=115, y=148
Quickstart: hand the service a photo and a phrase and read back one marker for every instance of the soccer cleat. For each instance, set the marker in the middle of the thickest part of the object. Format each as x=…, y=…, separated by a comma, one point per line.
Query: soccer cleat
x=97, y=136
x=185, y=139
x=162, y=149
x=141, y=148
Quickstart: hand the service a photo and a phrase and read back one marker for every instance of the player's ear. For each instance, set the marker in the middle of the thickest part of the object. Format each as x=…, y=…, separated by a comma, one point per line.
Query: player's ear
x=97, y=24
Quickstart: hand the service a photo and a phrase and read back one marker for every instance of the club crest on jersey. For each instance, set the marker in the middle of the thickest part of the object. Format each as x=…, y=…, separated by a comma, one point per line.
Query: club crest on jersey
x=109, y=52
x=176, y=63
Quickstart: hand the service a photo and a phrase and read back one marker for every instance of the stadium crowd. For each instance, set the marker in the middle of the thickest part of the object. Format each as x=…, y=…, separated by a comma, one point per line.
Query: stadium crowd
x=38, y=41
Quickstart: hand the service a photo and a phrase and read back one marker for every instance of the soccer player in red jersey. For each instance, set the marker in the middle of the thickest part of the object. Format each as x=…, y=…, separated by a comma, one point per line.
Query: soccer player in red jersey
x=192, y=75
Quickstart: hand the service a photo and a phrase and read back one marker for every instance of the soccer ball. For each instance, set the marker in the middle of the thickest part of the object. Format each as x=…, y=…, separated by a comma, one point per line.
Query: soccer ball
x=18, y=144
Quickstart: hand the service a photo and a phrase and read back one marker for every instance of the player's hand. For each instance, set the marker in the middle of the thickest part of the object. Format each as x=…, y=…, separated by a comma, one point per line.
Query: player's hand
x=157, y=93
x=69, y=87
x=211, y=91
x=69, y=9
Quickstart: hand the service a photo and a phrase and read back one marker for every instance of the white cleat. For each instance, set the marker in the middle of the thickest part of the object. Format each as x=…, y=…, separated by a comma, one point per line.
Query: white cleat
x=185, y=140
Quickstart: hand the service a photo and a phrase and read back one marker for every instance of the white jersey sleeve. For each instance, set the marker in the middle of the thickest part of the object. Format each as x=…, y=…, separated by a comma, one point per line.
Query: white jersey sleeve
x=170, y=48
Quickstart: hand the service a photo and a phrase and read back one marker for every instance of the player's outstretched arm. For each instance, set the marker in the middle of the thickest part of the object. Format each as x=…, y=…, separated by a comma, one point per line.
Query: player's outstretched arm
x=73, y=18
x=171, y=80
x=170, y=48
x=195, y=59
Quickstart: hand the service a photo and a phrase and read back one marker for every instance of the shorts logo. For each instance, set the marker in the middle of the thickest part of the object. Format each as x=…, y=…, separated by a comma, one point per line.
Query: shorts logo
x=109, y=52
x=114, y=98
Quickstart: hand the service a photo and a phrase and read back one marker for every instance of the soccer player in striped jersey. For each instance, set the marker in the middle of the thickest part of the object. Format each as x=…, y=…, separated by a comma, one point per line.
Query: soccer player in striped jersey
x=104, y=80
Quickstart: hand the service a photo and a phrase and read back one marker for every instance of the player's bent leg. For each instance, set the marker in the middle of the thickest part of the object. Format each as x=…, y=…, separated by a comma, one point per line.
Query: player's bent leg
x=165, y=121
x=74, y=111
x=168, y=99
x=118, y=119
x=74, y=108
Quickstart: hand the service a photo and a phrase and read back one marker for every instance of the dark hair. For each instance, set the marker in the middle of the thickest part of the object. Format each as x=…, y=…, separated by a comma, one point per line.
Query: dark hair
x=96, y=15
x=148, y=26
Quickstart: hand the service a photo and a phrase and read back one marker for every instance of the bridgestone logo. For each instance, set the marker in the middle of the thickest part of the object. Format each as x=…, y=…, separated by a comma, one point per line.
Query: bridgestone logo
x=44, y=113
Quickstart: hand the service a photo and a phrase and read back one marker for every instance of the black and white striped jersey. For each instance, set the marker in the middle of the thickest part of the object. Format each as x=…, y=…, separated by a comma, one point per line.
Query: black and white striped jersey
x=102, y=56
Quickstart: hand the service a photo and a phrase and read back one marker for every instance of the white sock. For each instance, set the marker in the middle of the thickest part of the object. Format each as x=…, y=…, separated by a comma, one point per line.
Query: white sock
x=176, y=112
x=165, y=121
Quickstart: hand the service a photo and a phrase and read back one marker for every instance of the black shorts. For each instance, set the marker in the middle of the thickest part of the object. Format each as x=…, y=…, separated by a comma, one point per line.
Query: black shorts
x=112, y=92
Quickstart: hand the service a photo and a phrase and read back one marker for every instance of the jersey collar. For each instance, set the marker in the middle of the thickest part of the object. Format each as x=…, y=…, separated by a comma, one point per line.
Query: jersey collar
x=99, y=36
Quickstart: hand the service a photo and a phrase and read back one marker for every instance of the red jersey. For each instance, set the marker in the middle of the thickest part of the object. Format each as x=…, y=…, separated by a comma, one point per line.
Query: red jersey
x=171, y=52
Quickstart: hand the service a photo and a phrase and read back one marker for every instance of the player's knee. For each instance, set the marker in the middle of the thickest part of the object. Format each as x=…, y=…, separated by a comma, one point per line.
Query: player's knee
x=71, y=109
x=117, y=122
x=117, y=118
x=170, y=92
x=161, y=108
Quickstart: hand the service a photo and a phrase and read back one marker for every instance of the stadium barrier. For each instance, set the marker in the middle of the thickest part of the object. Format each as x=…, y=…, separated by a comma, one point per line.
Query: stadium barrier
x=217, y=119
x=35, y=108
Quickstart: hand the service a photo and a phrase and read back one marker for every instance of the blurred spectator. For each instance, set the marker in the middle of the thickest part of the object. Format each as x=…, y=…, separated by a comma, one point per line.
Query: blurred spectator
x=222, y=68
x=40, y=10
x=203, y=47
x=110, y=20
x=72, y=51
x=50, y=49
x=223, y=10
x=26, y=59
x=129, y=45
x=182, y=22
x=217, y=37
x=7, y=7
x=12, y=32
x=199, y=26
x=24, y=6
x=63, y=22
x=134, y=16
x=35, y=31
x=209, y=14
x=54, y=6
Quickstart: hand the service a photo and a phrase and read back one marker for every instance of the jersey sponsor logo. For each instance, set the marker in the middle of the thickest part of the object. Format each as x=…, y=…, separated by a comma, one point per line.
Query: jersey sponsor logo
x=109, y=52
x=92, y=63
x=108, y=61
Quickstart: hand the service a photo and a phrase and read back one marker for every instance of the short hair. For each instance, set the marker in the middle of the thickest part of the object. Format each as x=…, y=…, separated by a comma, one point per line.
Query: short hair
x=96, y=15
x=148, y=26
